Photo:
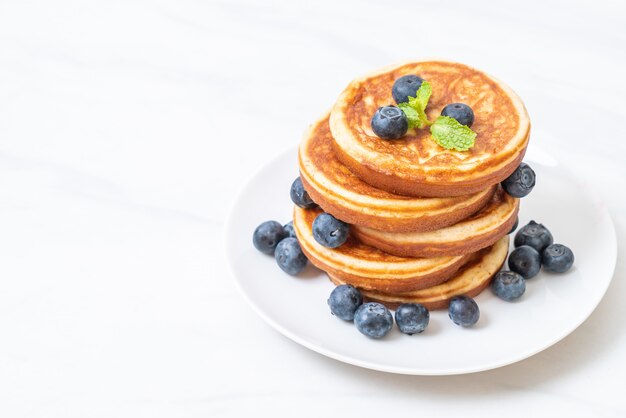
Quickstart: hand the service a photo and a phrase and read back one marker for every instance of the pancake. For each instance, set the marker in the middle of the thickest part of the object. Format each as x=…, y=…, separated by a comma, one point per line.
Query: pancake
x=369, y=268
x=470, y=280
x=340, y=192
x=415, y=165
x=470, y=235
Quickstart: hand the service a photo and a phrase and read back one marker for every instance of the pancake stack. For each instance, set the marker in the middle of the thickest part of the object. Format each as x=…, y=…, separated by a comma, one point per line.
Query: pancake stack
x=426, y=223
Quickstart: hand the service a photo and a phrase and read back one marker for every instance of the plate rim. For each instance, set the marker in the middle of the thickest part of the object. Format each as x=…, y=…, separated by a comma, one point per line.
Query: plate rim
x=229, y=239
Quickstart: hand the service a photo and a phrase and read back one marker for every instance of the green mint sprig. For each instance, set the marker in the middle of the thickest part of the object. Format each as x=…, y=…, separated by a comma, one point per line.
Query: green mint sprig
x=415, y=108
x=450, y=134
x=447, y=132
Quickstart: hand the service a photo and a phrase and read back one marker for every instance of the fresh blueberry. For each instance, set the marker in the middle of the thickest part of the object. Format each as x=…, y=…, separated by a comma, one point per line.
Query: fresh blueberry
x=515, y=225
x=405, y=87
x=289, y=228
x=521, y=182
x=267, y=236
x=344, y=301
x=330, y=231
x=557, y=258
x=459, y=111
x=508, y=285
x=412, y=318
x=535, y=235
x=390, y=122
x=373, y=319
x=290, y=257
x=299, y=196
x=463, y=311
x=526, y=261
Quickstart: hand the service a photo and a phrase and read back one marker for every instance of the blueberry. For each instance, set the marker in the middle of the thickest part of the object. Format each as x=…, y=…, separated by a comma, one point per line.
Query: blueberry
x=330, y=231
x=373, y=319
x=557, y=258
x=389, y=122
x=299, y=196
x=526, y=261
x=289, y=228
x=535, y=235
x=344, y=301
x=514, y=227
x=508, y=285
x=267, y=236
x=290, y=257
x=521, y=182
x=459, y=111
x=405, y=87
x=412, y=318
x=463, y=311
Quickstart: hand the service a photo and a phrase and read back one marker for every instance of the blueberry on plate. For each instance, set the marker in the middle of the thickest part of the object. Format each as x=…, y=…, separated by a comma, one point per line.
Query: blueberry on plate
x=526, y=261
x=514, y=227
x=344, y=301
x=373, y=320
x=330, y=231
x=390, y=122
x=557, y=258
x=508, y=285
x=412, y=318
x=267, y=236
x=520, y=182
x=463, y=311
x=535, y=235
x=405, y=87
x=459, y=111
x=289, y=228
x=299, y=196
x=290, y=257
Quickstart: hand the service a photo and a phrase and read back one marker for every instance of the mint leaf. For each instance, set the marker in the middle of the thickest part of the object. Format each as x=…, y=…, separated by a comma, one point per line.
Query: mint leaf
x=421, y=101
x=415, y=108
x=411, y=115
x=450, y=134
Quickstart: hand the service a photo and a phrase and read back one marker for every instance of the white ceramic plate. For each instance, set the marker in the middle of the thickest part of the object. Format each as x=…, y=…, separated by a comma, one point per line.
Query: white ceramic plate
x=552, y=307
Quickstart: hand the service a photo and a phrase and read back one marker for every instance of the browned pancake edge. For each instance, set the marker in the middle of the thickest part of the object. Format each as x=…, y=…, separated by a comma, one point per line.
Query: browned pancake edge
x=372, y=279
x=462, y=245
x=440, y=299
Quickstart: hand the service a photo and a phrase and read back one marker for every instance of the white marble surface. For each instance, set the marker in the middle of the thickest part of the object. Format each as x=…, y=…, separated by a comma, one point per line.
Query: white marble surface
x=126, y=129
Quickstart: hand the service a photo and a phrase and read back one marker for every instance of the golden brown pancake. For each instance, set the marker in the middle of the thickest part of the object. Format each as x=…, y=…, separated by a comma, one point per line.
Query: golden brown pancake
x=478, y=231
x=470, y=280
x=343, y=194
x=415, y=165
x=368, y=267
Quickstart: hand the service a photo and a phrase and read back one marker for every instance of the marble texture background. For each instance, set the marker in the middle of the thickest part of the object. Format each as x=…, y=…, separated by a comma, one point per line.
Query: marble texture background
x=126, y=129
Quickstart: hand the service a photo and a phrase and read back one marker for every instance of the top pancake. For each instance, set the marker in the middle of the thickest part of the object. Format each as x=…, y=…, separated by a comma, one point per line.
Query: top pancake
x=415, y=165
